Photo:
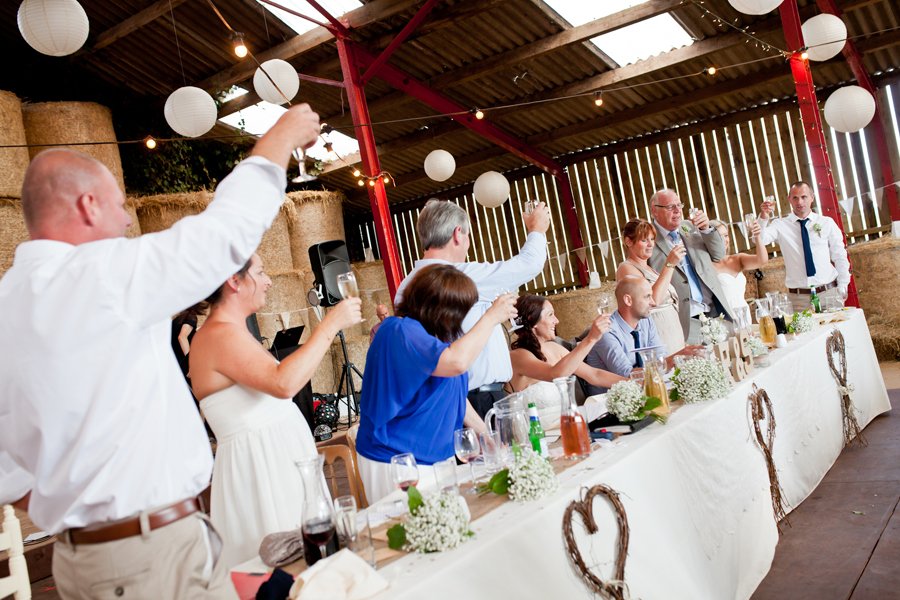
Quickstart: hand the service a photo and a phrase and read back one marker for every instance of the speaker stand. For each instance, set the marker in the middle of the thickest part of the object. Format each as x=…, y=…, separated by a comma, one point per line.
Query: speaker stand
x=347, y=370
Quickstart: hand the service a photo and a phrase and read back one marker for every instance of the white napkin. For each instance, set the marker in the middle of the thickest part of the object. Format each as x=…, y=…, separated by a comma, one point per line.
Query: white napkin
x=343, y=576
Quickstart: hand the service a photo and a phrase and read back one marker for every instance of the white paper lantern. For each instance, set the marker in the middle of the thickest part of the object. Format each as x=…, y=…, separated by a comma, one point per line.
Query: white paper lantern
x=283, y=74
x=53, y=27
x=440, y=165
x=824, y=36
x=491, y=189
x=755, y=7
x=190, y=111
x=849, y=109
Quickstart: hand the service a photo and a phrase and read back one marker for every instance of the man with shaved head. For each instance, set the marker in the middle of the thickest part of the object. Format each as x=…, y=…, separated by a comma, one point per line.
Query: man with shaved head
x=99, y=437
x=630, y=328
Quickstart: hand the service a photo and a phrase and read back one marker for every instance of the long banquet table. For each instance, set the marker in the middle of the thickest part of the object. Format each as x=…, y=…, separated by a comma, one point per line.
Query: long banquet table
x=696, y=493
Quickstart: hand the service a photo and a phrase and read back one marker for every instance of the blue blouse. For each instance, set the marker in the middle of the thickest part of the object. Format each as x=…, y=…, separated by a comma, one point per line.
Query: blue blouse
x=403, y=407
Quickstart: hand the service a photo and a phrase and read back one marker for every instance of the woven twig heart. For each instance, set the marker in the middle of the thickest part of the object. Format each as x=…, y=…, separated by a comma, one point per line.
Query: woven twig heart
x=613, y=589
x=835, y=346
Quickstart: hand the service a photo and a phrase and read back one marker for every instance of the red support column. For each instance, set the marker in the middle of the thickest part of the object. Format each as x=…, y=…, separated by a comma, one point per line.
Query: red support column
x=854, y=60
x=812, y=127
x=359, y=110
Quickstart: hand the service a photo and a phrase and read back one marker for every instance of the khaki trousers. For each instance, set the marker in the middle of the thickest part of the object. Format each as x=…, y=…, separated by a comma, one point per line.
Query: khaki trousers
x=165, y=563
x=803, y=302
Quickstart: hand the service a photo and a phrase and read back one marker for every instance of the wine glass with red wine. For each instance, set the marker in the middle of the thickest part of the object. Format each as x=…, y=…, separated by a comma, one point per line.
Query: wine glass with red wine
x=404, y=470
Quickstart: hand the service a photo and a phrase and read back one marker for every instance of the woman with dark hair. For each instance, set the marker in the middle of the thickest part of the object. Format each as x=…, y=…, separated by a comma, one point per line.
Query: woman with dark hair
x=414, y=392
x=246, y=395
x=537, y=360
x=640, y=238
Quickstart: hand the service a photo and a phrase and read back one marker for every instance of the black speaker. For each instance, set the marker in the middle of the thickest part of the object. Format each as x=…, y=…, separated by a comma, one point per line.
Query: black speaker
x=329, y=259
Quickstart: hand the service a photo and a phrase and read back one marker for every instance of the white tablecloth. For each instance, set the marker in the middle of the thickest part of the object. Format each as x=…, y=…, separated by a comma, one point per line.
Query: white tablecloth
x=696, y=493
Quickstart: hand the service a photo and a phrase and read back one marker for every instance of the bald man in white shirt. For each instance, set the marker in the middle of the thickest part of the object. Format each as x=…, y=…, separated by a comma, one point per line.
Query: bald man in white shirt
x=95, y=416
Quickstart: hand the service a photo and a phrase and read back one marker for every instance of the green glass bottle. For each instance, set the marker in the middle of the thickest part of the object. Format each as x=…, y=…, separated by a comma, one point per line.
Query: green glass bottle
x=814, y=299
x=536, y=432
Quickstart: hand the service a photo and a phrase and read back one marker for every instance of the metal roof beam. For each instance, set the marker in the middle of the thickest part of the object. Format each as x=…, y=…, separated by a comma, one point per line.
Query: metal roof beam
x=398, y=39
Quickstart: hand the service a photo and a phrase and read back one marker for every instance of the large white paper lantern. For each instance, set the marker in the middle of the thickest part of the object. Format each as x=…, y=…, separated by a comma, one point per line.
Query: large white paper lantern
x=440, y=165
x=491, y=189
x=283, y=74
x=755, y=7
x=53, y=27
x=190, y=111
x=849, y=109
x=824, y=36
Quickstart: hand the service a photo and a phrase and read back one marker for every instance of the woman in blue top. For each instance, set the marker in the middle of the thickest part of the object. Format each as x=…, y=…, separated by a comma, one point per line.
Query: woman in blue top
x=414, y=391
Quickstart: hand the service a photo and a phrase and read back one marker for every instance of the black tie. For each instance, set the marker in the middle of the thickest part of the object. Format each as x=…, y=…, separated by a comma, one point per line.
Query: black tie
x=637, y=344
x=807, y=249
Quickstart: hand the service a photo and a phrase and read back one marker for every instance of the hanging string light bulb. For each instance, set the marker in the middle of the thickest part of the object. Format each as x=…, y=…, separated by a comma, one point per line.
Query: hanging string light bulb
x=240, y=50
x=150, y=142
x=598, y=98
x=711, y=71
x=479, y=114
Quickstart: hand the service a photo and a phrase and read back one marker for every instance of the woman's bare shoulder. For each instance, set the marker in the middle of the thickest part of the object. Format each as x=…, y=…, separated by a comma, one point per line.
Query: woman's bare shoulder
x=553, y=351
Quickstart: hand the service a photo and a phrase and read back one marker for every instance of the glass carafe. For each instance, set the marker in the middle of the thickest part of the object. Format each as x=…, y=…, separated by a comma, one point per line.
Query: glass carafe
x=654, y=386
x=777, y=312
x=767, y=331
x=511, y=422
x=573, y=430
x=318, y=525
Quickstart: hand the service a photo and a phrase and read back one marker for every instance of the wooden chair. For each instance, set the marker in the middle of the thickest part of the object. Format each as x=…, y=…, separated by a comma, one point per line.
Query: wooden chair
x=17, y=583
x=351, y=441
x=332, y=454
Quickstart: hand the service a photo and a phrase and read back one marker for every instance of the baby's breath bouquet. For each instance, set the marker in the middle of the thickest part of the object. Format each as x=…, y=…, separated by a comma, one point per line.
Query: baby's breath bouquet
x=700, y=379
x=627, y=401
x=530, y=478
x=713, y=329
x=436, y=523
x=802, y=322
x=756, y=345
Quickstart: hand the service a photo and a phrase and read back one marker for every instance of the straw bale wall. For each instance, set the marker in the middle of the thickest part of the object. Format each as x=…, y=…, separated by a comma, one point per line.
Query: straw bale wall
x=134, y=230
x=275, y=248
x=13, y=161
x=71, y=122
x=876, y=265
x=158, y=213
x=578, y=308
x=373, y=291
x=773, y=277
x=12, y=231
x=752, y=288
x=313, y=217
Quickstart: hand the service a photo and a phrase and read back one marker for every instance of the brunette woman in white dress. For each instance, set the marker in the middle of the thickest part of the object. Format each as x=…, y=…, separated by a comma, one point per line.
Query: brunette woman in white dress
x=246, y=395
x=730, y=269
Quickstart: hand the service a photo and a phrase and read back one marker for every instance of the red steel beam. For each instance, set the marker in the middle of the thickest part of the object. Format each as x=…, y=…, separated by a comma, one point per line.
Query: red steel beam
x=336, y=27
x=854, y=59
x=401, y=37
x=359, y=110
x=812, y=127
x=407, y=83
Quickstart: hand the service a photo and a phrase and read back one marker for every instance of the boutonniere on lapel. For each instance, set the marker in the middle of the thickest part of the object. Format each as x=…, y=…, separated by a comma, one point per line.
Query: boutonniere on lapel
x=818, y=229
x=685, y=229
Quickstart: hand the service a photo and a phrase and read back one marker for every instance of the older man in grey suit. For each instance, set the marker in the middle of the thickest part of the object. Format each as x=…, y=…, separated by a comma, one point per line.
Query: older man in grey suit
x=695, y=279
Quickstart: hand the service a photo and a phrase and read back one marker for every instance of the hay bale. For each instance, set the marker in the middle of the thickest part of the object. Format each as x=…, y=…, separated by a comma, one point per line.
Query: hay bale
x=773, y=278
x=157, y=213
x=71, y=122
x=134, y=230
x=12, y=231
x=752, y=289
x=357, y=349
x=885, y=334
x=13, y=161
x=312, y=217
x=373, y=290
x=578, y=308
x=875, y=266
x=275, y=248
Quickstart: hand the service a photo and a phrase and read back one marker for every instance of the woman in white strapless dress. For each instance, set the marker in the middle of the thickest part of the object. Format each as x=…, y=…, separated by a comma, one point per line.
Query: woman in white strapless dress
x=639, y=236
x=537, y=360
x=246, y=395
x=730, y=270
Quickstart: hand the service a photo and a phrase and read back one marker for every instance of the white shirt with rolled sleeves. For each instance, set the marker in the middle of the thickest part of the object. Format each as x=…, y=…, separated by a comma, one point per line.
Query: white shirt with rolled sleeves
x=93, y=404
x=827, y=248
x=493, y=365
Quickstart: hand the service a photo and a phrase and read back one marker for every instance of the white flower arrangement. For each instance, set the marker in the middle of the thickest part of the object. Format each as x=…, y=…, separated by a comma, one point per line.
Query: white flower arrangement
x=531, y=478
x=436, y=523
x=625, y=400
x=802, y=322
x=713, y=329
x=699, y=380
x=756, y=345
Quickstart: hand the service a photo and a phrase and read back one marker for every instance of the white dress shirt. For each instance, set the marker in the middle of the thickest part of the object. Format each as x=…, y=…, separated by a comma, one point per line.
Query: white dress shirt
x=493, y=365
x=827, y=246
x=93, y=404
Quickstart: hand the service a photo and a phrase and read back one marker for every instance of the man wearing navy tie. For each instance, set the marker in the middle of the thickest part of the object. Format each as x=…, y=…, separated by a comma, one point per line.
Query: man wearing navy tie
x=812, y=245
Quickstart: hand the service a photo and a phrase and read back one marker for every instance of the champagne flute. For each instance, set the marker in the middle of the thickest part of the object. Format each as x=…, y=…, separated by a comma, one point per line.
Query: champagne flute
x=603, y=305
x=345, y=511
x=348, y=287
x=404, y=470
x=465, y=442
x=302, y=176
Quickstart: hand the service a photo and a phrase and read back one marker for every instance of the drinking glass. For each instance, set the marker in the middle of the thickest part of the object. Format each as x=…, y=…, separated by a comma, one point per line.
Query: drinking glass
x=662, y=365
x=404, y=470
x=492, y=451
x=445, y=474
x=637, y=377
x=529, y=207
x=603, y=305
x=465, y=441
x=302, y=176
x=680, y=360
x=348, y=287
x=749, y=222
x=345, y=514
x=842, y=293
x=515, y=322
x=693, y=213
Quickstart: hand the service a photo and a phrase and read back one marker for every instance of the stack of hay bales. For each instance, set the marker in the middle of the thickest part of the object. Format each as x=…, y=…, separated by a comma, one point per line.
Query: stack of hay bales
x=773, y=277
x=752, y=288
x=578, y=308
x=875, y=266
x=13, y=164
x=312, y=217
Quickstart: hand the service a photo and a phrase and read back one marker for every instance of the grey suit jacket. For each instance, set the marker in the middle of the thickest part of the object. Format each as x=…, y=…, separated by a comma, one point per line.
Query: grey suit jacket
x=703, y=249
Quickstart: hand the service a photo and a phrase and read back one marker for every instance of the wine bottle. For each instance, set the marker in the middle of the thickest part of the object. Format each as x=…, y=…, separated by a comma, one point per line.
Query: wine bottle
x=814, y=300
x=536, y=432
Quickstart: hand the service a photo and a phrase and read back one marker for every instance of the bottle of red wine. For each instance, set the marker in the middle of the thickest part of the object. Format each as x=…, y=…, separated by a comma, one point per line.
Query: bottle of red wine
x=319, y=535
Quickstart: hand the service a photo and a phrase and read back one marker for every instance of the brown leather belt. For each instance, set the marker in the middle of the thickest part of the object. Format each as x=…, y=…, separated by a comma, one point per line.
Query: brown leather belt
x=819, y=289
x=97, y=534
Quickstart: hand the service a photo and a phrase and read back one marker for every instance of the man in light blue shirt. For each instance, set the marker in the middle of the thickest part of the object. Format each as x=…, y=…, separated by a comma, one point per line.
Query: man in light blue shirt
x=631, y=327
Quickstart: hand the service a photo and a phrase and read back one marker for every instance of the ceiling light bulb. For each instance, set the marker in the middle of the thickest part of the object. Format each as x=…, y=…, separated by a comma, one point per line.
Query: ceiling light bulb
x=372, y=182
x=239, y=48
x=711, y=71
x=479, y=115
x=387, y=179
x=360, y=182
x=151, y=143
x=804, y=55
x=598, y=98
x=356, y=173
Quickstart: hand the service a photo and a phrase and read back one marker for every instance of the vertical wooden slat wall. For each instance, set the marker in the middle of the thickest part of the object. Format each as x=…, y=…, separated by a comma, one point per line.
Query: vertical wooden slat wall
x=727, y=172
